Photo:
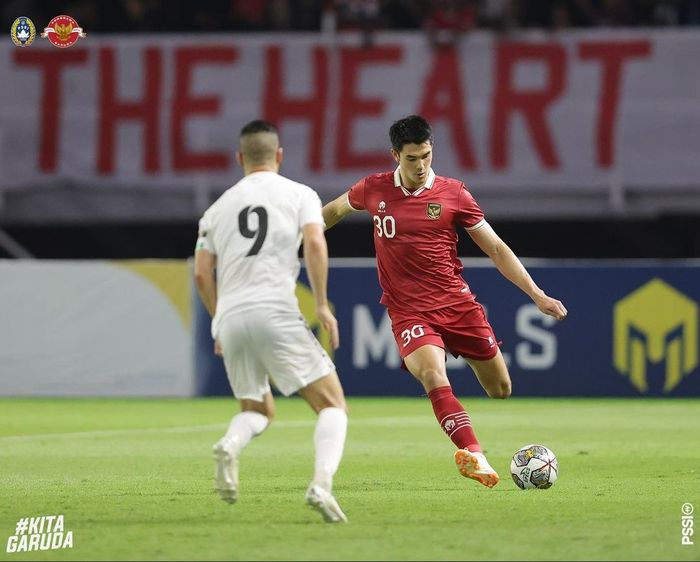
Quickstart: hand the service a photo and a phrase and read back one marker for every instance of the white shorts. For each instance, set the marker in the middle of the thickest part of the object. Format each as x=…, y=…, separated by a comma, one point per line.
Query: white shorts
x=269, y=343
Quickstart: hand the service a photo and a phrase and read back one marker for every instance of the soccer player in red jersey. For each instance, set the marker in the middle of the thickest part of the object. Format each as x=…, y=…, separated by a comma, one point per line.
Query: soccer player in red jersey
x=416, y=215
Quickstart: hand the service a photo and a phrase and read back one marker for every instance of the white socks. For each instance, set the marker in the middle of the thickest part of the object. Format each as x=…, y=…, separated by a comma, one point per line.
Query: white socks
x=329, y=440
x=243, y=428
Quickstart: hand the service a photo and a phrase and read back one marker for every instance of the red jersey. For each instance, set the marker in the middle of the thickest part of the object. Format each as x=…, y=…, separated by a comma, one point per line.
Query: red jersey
x=415, y=238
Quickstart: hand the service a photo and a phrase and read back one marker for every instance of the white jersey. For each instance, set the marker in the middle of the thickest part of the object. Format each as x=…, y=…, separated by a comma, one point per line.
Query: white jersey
x=254, y=229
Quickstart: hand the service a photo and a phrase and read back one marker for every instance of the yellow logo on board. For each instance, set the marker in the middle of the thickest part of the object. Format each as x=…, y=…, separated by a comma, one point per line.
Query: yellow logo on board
x=655, y=323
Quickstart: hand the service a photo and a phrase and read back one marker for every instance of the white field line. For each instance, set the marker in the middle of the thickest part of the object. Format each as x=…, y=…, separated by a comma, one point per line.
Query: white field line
x=381, y=421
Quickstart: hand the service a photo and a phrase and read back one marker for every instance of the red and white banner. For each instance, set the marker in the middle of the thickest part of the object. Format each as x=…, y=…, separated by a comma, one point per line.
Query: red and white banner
x=539, y=111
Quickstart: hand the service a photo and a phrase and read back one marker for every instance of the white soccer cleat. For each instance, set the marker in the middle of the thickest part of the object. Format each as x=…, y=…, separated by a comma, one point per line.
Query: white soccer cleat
x=226, y=474
x=324, y=502
x=475, y=466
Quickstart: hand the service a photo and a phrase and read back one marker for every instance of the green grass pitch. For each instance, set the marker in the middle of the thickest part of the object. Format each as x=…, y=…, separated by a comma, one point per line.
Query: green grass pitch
x=133, y=479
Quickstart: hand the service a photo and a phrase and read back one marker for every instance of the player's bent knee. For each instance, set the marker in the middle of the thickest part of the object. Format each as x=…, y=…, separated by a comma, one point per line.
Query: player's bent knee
x=340, y=405
x=266, y=407
x=331, y=400
x=323, y=403
x=432, y=378
x=324, y=393
x=500, y=391
x=268, y=413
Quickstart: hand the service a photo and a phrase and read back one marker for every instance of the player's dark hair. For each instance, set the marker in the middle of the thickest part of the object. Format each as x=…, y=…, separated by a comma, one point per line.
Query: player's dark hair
x=258, y=126
x=259, y=148
x=410, y=130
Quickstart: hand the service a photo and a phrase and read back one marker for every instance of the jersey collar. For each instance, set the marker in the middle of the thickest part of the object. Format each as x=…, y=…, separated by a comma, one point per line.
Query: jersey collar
x=428, y=184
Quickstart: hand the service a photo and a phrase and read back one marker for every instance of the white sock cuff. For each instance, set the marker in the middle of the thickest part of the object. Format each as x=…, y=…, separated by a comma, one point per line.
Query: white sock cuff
x=329, y=440
x=256, y=421
x=333, y=413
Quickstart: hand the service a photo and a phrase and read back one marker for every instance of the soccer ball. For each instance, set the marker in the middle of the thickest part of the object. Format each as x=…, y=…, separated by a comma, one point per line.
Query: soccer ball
x=534, y=466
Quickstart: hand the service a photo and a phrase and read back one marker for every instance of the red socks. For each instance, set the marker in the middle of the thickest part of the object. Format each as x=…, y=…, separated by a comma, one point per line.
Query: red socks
x=453, y=419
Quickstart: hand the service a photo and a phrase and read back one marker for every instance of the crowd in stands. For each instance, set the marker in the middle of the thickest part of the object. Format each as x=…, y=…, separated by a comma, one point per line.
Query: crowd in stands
x=120, y=16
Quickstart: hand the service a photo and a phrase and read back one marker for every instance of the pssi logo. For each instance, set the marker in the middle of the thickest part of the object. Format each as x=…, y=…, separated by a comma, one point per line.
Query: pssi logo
x=23, y=32
x=308, y=309
x=655, y=323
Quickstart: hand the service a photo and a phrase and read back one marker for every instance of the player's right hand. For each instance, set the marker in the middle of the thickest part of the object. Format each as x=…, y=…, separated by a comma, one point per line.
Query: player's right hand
x=552, y=307
x=218, y=350
x=329, y=323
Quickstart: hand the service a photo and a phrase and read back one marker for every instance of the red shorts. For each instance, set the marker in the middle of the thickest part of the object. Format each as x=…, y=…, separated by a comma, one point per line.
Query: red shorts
x=461, y=329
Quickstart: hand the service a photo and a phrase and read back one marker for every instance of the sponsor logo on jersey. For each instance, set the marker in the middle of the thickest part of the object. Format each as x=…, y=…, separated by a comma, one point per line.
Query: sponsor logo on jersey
x=23, y=32
x=434, y=210
x=382, y=207
x=63, y=32
x=655, y=323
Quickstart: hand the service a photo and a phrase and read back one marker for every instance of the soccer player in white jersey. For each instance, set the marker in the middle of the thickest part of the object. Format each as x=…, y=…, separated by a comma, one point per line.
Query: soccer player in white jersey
x=246, y=265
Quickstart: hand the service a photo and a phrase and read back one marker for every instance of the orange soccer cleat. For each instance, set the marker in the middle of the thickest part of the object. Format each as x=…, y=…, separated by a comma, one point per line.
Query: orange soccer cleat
x=475, y=466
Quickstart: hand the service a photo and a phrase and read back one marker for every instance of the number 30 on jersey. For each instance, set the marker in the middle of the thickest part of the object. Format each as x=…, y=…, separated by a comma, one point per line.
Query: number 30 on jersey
x=386, y=226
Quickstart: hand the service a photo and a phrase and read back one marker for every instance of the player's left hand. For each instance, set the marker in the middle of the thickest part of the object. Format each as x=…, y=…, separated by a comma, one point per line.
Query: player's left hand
x=217, y=349
x=329, y=323
x=551, y=307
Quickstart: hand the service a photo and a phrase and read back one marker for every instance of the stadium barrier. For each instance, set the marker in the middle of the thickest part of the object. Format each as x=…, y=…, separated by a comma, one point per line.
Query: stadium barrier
x=95, y=328
x=102, y=328
x=632, y=330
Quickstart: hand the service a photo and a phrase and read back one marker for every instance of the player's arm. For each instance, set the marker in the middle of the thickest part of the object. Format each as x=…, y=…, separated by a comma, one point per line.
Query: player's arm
x=316, y=258
x=204, y=277
x=512, y=269
x=336, y=210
